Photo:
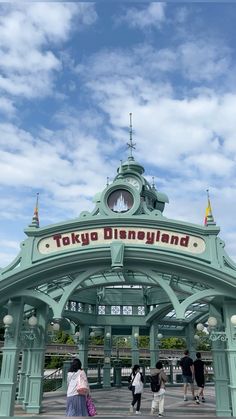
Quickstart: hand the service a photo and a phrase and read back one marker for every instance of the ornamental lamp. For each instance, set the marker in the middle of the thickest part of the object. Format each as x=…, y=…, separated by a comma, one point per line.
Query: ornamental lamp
x=200, y=327
x=233, y=320
x=7, y=320
x=212, y=322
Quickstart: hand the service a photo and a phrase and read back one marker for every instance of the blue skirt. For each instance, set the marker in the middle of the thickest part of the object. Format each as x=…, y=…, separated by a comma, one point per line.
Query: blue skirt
x=76, y=406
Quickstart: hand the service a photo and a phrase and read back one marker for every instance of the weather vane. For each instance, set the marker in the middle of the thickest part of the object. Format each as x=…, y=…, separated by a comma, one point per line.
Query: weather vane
x=131, y=145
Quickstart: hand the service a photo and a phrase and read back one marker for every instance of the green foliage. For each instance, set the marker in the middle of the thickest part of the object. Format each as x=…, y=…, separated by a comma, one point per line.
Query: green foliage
x=144, y=341
x=204, y=343
x=52, y=385
x=173, y=343
x=62, y=337
x=54, y=362
x=97, y=340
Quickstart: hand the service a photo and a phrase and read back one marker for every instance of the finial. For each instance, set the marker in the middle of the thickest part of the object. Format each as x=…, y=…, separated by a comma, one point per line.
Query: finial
x=108, y=181
x=35, y=219
x=209, y=219
x=131, y=145
x=153, y=183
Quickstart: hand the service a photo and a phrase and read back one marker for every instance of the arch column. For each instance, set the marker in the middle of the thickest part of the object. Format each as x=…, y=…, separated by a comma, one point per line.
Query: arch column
x=221, y=372
x=10, y=360
x=35, y=384
x=22, y=376
x=189, y=337
x=134, y=346
x=154, y=345
x=107, y=358
x=83, y=345
x=229, y=308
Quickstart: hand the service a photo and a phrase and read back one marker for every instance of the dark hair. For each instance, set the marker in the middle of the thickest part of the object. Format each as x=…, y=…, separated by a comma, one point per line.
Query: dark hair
x=135, y=369
x=186, y=352
x=159, y=365
x=198, y=355
x=75, y=365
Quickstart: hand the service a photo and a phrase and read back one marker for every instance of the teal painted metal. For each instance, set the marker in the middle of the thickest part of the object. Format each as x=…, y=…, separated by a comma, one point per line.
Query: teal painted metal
x=107, y=357
x=154, y=345
x=68, y=271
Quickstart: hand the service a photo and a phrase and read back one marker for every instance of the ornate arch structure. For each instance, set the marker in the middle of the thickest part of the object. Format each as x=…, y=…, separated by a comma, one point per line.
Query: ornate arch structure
x=125, y=265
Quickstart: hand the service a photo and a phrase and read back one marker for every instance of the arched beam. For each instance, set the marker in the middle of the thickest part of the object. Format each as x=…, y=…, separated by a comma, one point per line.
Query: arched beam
x=194, y=298
x=57, y=312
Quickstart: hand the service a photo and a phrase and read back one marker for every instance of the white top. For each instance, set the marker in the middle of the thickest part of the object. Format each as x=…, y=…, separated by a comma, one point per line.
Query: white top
x=72, y=382
x=137, y=383
x=73, y=379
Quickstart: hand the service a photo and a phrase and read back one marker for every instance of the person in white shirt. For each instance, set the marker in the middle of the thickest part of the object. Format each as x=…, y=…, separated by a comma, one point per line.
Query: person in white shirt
x=136, y=378
x=76, y=403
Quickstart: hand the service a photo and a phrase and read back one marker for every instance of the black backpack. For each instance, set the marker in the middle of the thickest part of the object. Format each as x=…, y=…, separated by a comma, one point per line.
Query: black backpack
x=155, y=383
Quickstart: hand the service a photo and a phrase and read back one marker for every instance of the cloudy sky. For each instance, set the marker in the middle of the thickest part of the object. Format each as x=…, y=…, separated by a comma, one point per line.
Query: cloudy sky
x=70, y=73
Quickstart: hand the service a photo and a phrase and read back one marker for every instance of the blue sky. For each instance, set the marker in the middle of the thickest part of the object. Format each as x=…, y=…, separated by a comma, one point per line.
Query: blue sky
x=70, y=73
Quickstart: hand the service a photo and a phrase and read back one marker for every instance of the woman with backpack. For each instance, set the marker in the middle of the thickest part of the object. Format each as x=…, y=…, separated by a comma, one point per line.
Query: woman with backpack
x=136, y=380
x=158, y=379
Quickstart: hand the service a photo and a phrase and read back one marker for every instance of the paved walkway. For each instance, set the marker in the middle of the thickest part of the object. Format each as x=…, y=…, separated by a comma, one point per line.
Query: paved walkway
x=115, y=403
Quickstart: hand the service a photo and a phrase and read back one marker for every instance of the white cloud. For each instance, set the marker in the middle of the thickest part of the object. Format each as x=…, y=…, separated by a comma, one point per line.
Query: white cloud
x=7, y=107
x=28, y=36
x=192, y=131
x=43, y=163
x=11, y=248
x=144, y=18
x=203, y=61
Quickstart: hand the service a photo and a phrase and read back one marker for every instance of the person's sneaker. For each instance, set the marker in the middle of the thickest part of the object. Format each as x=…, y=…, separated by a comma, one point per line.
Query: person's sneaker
x=160, y=415
x=197, y=399
x=185, y=398
x=131, y=409
x=203, y=399
x=138, y=412
x=152, y=412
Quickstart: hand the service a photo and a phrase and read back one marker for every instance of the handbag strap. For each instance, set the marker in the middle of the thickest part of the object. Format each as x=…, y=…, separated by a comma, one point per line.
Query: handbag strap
x=131, y=382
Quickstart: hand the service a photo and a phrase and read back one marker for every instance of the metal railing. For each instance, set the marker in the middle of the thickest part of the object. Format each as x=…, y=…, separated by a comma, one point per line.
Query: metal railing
x=98, y=352
x=53, y=381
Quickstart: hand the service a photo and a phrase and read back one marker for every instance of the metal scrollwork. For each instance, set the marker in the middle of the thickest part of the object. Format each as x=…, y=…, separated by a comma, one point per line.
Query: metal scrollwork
x=215, y=336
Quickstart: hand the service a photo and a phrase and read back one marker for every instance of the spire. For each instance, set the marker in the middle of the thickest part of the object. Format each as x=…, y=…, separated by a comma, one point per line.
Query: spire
x=209, y=219
x=120, y=171
x=153, y=183
x=131, y=145
x=35, y=219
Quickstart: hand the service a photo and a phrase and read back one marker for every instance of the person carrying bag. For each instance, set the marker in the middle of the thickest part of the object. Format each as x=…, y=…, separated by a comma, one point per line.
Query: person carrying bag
x=77, y=390
x=136, y=379
x=158, y=379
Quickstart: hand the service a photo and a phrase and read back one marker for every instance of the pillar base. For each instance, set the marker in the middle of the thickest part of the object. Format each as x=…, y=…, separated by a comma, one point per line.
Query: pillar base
x=33, y=409
x=223, y=413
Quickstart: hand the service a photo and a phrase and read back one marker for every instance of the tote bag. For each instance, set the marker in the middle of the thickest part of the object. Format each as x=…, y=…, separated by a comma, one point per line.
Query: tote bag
x=82, y=386
x=90, y=406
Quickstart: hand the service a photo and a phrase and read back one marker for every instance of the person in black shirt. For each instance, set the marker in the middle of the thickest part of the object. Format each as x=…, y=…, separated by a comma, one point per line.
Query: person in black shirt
x=186, y=364
x=199, y=371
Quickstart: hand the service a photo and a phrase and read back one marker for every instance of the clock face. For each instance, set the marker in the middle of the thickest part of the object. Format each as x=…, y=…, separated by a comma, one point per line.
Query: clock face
x=120, y=201
x=134, y=182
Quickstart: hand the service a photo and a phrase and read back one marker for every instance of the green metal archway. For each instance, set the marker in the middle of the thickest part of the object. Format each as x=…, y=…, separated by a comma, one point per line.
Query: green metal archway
x=124, y=264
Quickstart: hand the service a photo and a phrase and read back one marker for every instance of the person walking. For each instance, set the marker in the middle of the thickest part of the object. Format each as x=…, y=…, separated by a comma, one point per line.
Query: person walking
x=187, y=367
x=76, y=403
x=158, y=379
x=136, y=378
x=199, y=374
